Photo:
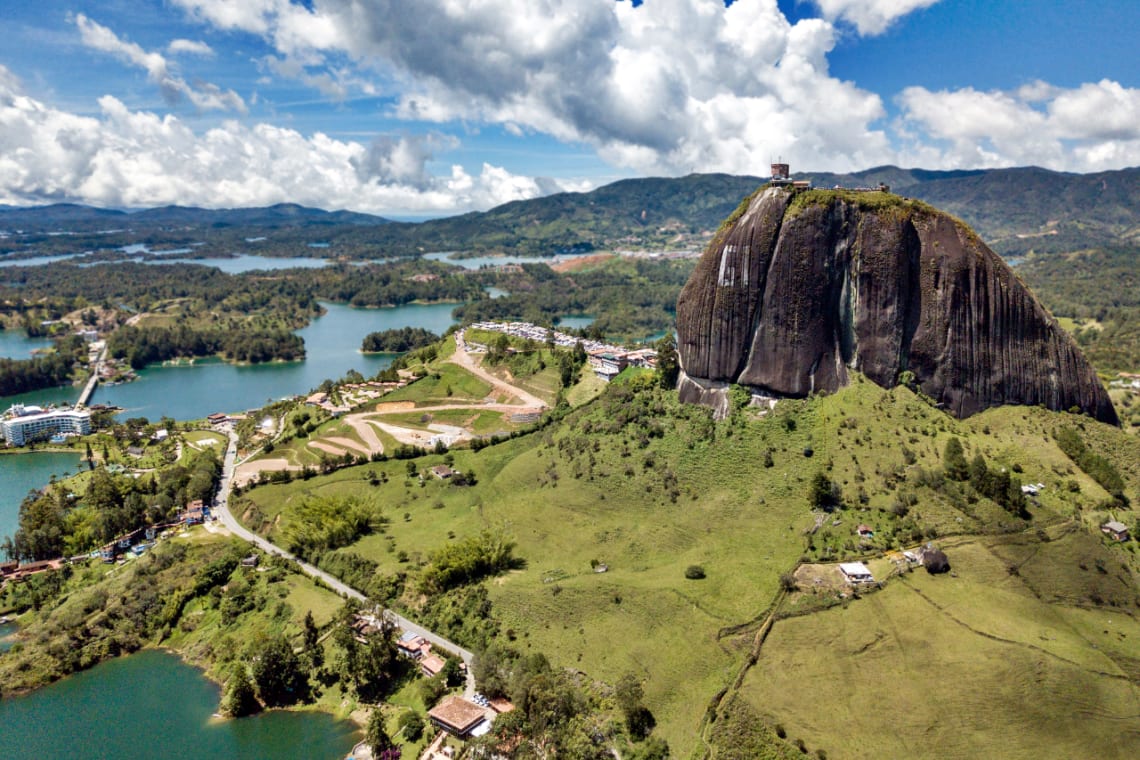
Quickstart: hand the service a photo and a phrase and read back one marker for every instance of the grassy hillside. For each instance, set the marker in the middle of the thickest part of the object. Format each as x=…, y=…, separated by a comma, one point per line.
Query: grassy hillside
x=652, y=489
x=978, y=664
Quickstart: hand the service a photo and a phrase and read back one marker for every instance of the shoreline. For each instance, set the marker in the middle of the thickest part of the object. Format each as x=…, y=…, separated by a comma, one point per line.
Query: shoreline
x=202, y=670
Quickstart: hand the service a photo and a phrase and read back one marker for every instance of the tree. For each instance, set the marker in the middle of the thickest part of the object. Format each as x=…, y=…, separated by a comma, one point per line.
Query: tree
x=452, y=675
x=653, y=748
x=668, y=368
x=103, y=493
x=821, y=491
x=370, y=668
x=411, y=726
x=630, y=698
x=278, y=675
x=311, y=637
x=239, y=699
x=376, y=735
x=432, y=689
x=954, y=460
x=979, y=474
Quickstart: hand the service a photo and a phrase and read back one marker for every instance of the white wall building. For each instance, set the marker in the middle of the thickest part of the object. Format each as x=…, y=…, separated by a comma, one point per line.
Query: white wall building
x=31, y=424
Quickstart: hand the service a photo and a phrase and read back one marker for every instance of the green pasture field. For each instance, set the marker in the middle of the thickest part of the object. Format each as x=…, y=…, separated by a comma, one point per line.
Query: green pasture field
x=973, y=664
x=670, y=489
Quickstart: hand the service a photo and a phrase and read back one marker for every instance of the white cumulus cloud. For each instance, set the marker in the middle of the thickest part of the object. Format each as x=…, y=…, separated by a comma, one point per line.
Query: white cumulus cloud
x=204, y=96
x=191, y=47
x=125, y=158
x=672, y=86
x=1095, y=126
x=870, y=17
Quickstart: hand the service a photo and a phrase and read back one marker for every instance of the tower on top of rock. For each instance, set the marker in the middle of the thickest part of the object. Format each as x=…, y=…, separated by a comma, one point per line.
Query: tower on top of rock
x=781, y=171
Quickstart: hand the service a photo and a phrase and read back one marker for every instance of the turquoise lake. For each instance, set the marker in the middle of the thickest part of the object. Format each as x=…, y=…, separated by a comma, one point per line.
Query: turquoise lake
x=15, y=344
x=478, y=262
x=20, y=473
x=332, y=345
x=152, y=704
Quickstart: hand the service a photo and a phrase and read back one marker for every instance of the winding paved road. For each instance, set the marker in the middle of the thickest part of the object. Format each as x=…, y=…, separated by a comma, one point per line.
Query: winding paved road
x=222, y=511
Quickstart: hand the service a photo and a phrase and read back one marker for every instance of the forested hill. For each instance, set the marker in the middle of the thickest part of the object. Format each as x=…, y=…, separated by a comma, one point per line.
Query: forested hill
x=1015, y=210
x=1011, y=208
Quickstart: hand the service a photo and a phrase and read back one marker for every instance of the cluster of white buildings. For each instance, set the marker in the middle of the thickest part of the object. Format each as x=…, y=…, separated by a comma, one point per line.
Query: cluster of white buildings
x=23, y=424
x=607, y=360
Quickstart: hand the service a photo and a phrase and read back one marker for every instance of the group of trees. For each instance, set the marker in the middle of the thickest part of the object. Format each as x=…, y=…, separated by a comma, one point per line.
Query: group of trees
x=58, y=523
x=318, y=524
x=141, y=346
x=398, y=340
x=1094, y=465
x=996, y=485
x=555, y=715
x=279, y=670
x=48, y=371
x=468, y=561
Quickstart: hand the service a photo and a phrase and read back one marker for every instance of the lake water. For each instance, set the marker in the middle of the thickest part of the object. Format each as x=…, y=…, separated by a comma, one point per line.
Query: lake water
x=232, y=265
x=36, y=260
x=244, y=262
x=332, y=344
x=494, y=261
x=7, y=636
x=494, y=292
x=576, y=321
x=20, y=473
x=247, y=263
x=149, y=705
x=15, y=344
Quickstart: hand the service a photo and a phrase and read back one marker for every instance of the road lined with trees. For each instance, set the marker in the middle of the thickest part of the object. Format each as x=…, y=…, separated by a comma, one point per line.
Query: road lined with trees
x=231, y=523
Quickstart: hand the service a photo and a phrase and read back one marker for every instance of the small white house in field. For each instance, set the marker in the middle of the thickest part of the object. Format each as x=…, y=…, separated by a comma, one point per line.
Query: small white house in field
x=856, y=572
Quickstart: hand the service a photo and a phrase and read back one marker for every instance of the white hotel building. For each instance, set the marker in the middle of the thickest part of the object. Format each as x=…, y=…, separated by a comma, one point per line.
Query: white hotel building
x=31, y=423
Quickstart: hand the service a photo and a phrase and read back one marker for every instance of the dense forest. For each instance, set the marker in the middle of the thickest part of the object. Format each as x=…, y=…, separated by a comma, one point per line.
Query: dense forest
x=290, y=292
x=48, y=371
x=398, y=340
x=141, y=346
x=1100, y=290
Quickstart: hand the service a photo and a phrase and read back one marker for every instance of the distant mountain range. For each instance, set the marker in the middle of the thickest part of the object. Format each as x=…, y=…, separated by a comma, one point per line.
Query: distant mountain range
x=1013, y=209
x=77, y=218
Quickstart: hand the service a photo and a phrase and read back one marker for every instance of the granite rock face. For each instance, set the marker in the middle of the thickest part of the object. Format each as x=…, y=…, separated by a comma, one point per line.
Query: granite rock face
x=800, y=287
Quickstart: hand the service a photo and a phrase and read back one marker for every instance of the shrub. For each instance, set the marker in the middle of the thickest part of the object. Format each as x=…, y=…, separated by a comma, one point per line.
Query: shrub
x=694, y=572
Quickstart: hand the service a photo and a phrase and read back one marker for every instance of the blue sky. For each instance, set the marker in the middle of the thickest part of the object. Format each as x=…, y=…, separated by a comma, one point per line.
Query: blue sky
x=441, y=106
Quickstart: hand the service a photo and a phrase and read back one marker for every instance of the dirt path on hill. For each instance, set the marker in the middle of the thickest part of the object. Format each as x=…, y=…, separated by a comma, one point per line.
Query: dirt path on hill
x=365, y=424
x=465, y=360
x=366, y=432
x=247, y=471
x=410, y=436
x=347, y=444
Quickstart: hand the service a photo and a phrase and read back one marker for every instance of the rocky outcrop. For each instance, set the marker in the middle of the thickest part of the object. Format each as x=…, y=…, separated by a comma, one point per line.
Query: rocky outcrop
x=798, y=288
